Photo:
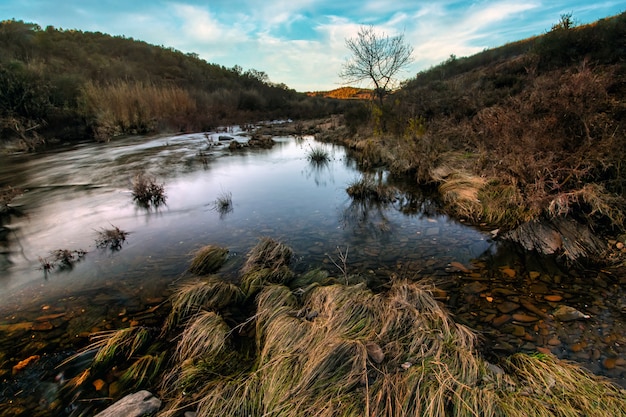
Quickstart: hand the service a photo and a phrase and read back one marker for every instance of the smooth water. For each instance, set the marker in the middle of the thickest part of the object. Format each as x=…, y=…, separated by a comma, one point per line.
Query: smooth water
x=72, y=193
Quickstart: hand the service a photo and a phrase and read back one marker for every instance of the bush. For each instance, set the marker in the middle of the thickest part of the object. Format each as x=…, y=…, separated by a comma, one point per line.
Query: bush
x=147, y=192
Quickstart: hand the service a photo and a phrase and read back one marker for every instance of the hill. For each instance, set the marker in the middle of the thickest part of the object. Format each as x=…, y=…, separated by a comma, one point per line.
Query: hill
x=344, y=93
x=519, y=137
x=68, y=84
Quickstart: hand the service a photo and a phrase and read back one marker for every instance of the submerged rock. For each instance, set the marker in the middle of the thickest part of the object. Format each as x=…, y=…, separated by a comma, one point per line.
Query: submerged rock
x=141, y=403
x=567, y=313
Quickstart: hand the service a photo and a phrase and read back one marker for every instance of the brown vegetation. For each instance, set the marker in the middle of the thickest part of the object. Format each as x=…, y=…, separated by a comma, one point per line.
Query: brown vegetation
x=517, y=133
x=124, y=86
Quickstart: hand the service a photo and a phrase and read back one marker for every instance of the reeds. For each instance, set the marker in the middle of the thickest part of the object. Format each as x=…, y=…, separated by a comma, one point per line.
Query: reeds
x=318, y=156
x=208, y=259
x=324, y=348
x=368, y=189
x=267, y=262
x=223, y=204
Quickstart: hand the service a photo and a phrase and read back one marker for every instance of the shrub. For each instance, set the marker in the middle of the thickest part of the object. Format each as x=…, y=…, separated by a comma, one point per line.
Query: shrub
x=147, y=192
x=111, y=238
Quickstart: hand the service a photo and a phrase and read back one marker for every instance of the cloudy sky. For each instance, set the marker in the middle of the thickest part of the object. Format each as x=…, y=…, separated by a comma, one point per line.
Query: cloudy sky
x=301, y=43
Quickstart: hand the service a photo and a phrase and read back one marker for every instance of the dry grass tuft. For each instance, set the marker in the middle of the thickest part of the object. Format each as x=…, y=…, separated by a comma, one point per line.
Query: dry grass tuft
x=268, y=262
x=205, y=335
x=208, y=259
x=342, y=350
x=211, y=294
x=368, y=189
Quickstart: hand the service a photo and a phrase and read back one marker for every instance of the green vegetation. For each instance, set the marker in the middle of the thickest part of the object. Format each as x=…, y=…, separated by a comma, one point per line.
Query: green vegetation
x=60, y=85
x=147, y=192
x=316, y=346
x=530, y=130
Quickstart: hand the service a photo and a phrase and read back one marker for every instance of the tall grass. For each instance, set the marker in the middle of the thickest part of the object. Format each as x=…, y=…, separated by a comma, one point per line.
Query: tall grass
x=324, y=348
x=396, y=353
x=124, y=107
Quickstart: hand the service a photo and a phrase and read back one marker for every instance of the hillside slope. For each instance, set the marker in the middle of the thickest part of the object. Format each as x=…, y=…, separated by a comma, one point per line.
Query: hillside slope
x=520, y=135
x=67, y=84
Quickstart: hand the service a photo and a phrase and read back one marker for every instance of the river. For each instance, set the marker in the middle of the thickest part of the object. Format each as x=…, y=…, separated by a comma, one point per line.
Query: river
x=73, y=192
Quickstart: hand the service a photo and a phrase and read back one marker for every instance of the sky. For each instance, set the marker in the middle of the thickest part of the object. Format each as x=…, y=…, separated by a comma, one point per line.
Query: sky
x=302, y=43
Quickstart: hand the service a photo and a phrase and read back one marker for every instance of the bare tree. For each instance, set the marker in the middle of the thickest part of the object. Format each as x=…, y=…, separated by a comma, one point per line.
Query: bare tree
x=376, y=58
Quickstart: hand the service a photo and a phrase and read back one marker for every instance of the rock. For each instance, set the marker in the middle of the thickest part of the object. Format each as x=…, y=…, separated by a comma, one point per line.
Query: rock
x=554, y=341
x=609, y=363
x=553, y=298
x=567, y=313
x=141, y=403
x=499, y=321
x=533, y=274
x=375, y=352
x=507, y=307
x=525, y=318
x=508, y=272
x=190, y=414
x=459, y=266
x=474, y=288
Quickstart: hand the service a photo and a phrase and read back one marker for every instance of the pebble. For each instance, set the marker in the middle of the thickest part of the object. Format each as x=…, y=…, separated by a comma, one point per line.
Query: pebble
x=474, y=288
x=500, y=320
x=508, y=272
x=507, y=307
x=554, y=341
x=525, y=318
x=553, y=298
x=609, y=363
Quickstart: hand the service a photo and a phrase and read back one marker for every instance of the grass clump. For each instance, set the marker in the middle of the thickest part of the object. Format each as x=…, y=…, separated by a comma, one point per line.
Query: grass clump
x=368, y=189
x=327, y=348
x=208, y=259
x=147, y=192
x=112, y=238
x=211, y=294
x=318, y=155
x=396, y=353
x=223, y=204
x=268, y=262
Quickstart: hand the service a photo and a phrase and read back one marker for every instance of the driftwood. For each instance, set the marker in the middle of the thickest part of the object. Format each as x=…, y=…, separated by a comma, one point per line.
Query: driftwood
x=561, y=236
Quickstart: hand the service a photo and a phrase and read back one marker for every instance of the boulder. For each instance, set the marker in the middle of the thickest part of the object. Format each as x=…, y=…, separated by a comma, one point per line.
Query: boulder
x=141, y=403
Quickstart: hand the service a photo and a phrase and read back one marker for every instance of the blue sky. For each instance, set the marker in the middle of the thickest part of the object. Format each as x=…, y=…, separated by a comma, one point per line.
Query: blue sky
x=301, y=43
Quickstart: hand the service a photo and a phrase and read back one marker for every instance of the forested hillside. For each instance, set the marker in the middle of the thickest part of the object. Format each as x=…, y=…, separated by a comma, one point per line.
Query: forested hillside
x=65, y=84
